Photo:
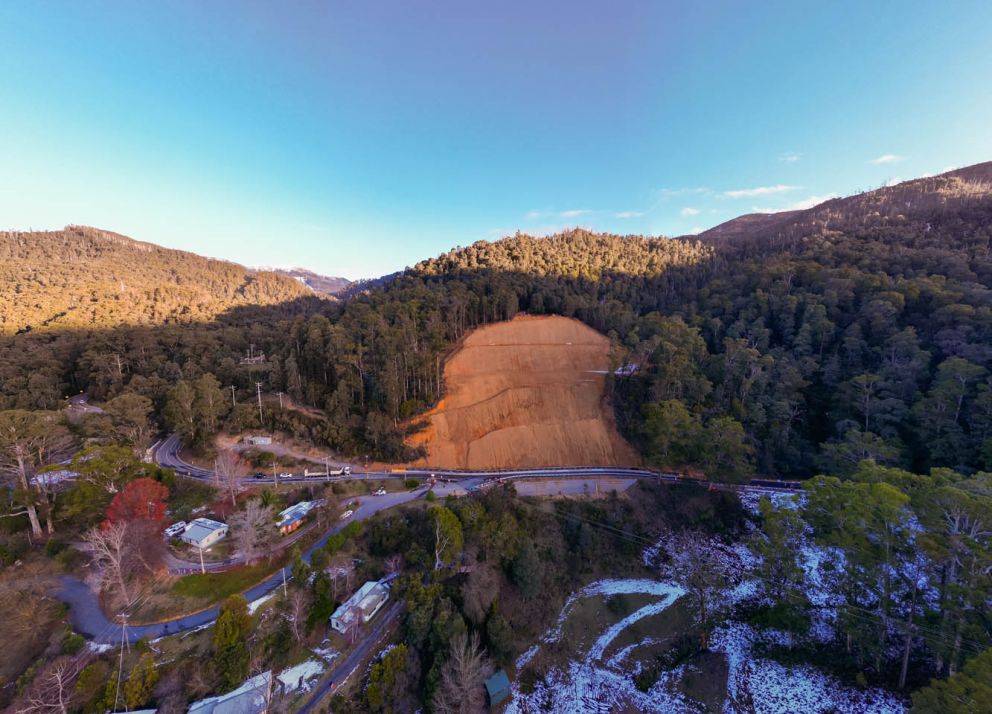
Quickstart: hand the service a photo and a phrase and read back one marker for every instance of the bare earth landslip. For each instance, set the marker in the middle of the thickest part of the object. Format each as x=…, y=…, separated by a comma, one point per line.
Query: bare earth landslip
x=525, y=393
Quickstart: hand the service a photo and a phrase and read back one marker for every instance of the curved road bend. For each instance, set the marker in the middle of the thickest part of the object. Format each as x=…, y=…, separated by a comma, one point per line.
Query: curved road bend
x=88, y=618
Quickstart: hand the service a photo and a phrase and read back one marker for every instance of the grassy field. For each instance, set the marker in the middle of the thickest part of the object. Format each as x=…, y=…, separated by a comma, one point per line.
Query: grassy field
x=217, y=586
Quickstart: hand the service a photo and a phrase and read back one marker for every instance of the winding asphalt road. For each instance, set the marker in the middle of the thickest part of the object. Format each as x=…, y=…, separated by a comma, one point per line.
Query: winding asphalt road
x=88, y=618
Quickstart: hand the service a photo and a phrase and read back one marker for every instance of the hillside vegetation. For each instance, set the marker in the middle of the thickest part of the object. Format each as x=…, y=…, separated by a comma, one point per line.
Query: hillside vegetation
x=82, y=277
x=786, y=345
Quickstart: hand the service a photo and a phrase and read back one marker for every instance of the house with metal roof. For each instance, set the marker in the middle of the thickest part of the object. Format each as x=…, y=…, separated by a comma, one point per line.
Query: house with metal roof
x=292, y=518
x=361, y=606
x=252, y=697
x=203, y=532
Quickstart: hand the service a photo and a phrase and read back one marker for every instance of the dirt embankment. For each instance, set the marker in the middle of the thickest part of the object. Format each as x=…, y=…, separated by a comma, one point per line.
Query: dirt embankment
x=526, y=393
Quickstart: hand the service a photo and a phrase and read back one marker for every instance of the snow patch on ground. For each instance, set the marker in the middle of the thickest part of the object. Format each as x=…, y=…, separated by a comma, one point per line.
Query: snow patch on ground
x=780, y=499
x=325, y=653
x=98, y=648
x=591, y=685
x=599, y=647
x=588, y=688
x=255, y=604
x=300, y=676
x=777, y=689
x=524, y=659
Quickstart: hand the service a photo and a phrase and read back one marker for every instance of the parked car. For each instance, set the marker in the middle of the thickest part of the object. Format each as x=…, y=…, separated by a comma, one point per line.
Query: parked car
x=380, y=492
x=260, y=475
x=347, y=514
x=285, y=474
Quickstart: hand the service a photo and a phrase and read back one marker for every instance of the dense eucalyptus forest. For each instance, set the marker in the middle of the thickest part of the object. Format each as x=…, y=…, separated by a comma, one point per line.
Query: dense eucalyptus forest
x=789, y=346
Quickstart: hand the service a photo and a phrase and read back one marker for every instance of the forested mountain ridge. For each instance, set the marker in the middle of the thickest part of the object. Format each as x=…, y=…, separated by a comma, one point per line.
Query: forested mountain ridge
x=83, y=277
x=917, y=202
x=861, y=328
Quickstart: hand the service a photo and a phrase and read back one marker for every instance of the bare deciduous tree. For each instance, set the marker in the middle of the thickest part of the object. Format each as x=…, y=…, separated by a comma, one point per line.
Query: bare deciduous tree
x=253, y=530
x=393, y=564
x=229, y=469
x=341, y=570
x=111, y=551
x=463, y=678
x=53, y=689
x=297, y=606
x=29, y=441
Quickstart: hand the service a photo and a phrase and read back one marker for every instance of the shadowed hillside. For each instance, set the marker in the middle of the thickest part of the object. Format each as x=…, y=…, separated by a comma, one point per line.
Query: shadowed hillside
x=85, y=277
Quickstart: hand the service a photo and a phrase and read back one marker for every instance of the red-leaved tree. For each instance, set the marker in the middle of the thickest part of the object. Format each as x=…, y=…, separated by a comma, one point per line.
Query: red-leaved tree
x=141, y=500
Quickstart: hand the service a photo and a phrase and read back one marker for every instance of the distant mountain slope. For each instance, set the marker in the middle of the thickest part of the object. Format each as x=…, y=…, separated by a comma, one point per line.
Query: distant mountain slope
x=923, y=201
x=85, y=277
x=320, y=284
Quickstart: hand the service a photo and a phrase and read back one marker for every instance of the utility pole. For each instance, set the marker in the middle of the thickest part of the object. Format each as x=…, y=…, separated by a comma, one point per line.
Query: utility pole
x=284, y=582
x=280, y=401
x=258, y=391
x=120, y=665
x=233, y=403
x=203, y=569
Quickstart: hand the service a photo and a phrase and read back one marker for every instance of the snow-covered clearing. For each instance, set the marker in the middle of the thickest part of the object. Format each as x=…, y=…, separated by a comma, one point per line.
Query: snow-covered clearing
x=592, y=684
x=300, y=676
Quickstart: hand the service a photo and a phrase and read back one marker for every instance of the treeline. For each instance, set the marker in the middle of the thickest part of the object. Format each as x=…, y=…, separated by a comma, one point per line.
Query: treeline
x=903, y=571
x=859, y=329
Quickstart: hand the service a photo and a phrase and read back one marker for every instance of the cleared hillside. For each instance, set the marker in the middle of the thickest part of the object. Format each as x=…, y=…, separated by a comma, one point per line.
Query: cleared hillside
x=528, y=392
x=83, y=277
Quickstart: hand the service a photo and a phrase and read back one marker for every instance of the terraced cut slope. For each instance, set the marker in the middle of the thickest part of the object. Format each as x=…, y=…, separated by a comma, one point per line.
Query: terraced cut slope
x=525, y=393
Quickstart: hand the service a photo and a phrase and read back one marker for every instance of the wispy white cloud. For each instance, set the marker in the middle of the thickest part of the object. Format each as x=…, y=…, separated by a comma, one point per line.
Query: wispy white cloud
x=802, y=205
x=628, y=214
x=689, y=211
x=886, y=159
x=666, y=193
x=537, y=215
x=759, y=191
x=790, y=157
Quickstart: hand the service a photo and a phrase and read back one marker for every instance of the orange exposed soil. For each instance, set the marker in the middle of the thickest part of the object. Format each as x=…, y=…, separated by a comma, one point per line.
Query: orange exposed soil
x=529, y=392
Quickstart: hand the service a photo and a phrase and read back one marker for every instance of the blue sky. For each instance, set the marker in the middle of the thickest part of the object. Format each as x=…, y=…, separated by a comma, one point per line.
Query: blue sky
x=355, y=138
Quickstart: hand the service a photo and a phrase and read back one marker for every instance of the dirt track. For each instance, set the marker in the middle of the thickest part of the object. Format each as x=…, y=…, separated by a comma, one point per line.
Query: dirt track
x=529, y=392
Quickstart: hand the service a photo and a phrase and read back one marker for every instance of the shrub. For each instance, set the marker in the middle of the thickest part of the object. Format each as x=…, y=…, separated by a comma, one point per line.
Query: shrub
x=53, y=547
x=430, y=496
x=411, y=483
x=72, y=642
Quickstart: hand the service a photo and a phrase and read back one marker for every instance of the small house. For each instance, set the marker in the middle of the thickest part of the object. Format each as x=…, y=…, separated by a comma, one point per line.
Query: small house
x=497, y=688
x=292, y=518
x=361, y=606
x=258, y=440
x=203, y=532
x=252, y=697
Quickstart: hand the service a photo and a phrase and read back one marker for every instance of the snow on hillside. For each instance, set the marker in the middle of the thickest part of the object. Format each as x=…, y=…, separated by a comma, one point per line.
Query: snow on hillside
x=601, y=679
